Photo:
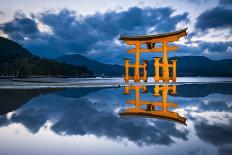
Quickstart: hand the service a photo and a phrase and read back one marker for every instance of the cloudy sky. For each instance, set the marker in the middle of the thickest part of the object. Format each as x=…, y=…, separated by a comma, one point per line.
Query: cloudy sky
x=51, y=28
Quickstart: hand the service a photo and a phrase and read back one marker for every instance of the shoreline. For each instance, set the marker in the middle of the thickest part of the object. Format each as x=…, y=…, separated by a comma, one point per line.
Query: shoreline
x=100, y=82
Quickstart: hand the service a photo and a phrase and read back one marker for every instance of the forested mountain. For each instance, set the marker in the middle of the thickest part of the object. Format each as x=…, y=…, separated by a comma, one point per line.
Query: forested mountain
x=186, y=66
x=200, y=66
x=14, y=59
x=97, y=67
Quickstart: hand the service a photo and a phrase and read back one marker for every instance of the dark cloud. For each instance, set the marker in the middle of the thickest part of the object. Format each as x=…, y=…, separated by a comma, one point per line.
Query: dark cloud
x=225, y=150
x=91, y=35
x=20, y=27
x=213, y=50
x=215, y=47
x=218, y=17
x=2, y=13
x=225, y=2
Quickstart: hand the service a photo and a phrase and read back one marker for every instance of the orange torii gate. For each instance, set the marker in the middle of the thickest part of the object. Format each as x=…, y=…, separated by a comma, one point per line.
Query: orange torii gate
x=150, y=41
x=151, y=109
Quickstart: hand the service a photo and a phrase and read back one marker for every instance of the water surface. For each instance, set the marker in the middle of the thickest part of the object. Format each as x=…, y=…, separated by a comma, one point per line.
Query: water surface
x=91, y=121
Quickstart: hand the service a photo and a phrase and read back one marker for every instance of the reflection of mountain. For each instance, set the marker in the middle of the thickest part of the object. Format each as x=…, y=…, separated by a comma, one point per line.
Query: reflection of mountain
x=201, y=90
x=77, y=92
x=12, y=99
x=154, y=109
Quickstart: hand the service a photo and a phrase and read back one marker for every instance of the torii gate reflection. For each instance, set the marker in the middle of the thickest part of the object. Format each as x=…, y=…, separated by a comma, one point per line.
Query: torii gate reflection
x=151, y=106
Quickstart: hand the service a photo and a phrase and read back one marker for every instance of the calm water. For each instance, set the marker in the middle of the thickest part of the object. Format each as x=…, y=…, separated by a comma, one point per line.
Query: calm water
x=186, y=119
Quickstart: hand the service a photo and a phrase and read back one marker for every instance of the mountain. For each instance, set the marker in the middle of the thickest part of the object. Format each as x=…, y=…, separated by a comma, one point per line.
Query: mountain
x=186, y=66
x=14, y=59
x=97, y=67
x=200, y=66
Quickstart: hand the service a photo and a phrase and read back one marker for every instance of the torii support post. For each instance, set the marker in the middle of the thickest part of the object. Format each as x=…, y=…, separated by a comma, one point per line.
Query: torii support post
x=174, y=70
x=137, y=60
x=126, y=65
x=145, y=66
x=156, y=66
x=165, y=68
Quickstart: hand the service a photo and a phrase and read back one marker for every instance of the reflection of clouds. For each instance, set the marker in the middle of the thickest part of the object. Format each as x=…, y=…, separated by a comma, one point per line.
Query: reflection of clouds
x=218, y=102
x=85, y=116
x=217, y=134
x=213, y=121
x=212, y=118
x=97, y=114
x=32, y=118
x=76, y=122
x=213, y=102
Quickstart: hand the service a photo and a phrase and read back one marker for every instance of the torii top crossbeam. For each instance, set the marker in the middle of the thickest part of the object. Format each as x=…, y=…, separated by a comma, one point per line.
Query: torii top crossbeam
x=169, y=37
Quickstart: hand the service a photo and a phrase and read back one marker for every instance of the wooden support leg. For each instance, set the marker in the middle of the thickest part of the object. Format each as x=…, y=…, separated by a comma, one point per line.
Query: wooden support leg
x=174, y=71
x=165, y=68
x=156, y=91
x=137, y=98
x=145, y=66
x=156, y=66
x=164, y=97
x=173, y=92
x=144, y=89
x=126, y=90
x=137, y=63
x=126, y=65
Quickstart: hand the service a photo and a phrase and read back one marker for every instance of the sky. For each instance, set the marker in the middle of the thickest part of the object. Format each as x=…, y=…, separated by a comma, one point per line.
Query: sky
x=51, y=28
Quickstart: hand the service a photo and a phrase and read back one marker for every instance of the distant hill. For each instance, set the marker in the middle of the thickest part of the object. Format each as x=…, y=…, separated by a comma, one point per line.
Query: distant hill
x=186, y=66
x=97, y=67
x=200, y=66
x=14, y=59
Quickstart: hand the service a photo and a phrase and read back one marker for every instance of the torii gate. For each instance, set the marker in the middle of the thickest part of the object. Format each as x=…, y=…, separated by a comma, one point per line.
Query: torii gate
x=150, y=41
x=151, y=106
